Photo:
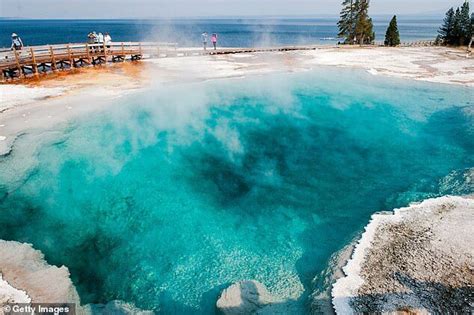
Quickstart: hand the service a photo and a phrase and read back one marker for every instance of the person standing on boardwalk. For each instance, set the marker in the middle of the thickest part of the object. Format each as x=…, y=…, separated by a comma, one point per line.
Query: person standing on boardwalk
x=17, y=43
x=90, y=38
x=214, y=40
x=107, y=38
x=95, y=37
x=100, y=38
x=204, y=40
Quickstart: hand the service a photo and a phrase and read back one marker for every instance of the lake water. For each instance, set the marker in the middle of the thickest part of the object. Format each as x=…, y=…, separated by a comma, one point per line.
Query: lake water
x=186, y=32
x=179, y=191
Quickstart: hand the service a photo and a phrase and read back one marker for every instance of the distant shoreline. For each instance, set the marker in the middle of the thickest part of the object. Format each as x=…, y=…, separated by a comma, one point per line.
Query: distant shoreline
x=232, y=31
x=435, y=15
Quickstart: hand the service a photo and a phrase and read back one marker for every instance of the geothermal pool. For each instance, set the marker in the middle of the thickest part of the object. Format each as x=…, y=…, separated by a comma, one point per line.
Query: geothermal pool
x=170, y=195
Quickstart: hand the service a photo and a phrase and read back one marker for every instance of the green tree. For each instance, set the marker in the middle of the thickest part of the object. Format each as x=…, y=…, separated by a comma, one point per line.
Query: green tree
x=346, y=23
x=465, y=24
x=472, y=33
x=371, y=33
x=355, y=26
x=446, y=30
x=364, y=28
x=456, y=38
x=392, y=36
x=457, y=26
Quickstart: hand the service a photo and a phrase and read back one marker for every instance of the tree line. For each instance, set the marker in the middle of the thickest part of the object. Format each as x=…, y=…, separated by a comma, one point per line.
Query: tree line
x=457, y=28
x=356, y=26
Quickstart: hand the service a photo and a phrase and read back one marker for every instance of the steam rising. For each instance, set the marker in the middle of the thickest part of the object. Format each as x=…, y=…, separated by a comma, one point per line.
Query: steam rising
x=178, y=190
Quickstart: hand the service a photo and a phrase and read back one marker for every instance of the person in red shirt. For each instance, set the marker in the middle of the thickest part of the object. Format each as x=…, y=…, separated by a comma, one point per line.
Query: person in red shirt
x=214, y=40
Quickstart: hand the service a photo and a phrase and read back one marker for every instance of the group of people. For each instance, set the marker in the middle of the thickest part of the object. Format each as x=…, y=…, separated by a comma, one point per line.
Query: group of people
x=92, y=38
x=98, y=38
x=205, y=37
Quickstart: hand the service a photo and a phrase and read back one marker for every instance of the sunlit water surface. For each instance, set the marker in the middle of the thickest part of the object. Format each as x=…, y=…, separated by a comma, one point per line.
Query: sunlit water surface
x=171, y=195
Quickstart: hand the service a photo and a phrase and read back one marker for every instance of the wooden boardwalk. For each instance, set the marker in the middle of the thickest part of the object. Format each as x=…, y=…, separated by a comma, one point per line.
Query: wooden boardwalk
x=35, y=60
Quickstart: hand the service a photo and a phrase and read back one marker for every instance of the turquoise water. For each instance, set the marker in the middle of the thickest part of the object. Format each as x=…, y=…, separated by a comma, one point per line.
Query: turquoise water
x=177, y=192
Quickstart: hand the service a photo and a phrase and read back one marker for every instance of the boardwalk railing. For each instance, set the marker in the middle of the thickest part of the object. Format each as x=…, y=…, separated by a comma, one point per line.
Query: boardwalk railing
x=419, y=43
x=37, y=59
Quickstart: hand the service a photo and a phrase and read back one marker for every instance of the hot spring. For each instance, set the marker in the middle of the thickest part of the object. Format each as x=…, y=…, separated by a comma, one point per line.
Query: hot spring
x=172, y=194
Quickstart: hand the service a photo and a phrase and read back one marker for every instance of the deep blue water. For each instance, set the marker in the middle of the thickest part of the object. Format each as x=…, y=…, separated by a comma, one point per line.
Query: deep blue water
x=232, y=32
x=174, y=193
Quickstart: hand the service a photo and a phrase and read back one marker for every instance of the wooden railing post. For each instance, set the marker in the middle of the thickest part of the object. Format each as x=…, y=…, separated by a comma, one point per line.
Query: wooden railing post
x=33, y=60
x=18, y=65
x=71, y=60
x=105, y=51
x=88, y=53
x=53, y=59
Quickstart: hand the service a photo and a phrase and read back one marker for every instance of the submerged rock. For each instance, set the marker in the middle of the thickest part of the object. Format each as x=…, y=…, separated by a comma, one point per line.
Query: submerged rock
x=252, y=297
x=116, y=308
x=244, y=297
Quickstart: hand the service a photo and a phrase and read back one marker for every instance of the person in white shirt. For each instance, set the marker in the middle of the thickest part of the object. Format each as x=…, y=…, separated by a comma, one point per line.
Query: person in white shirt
x=204, y=40
x=17, y=43
x=107, y=38
x=95, y=37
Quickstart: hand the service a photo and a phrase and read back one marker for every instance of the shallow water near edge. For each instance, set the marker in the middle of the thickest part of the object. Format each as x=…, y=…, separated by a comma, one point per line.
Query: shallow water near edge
x=170, y=196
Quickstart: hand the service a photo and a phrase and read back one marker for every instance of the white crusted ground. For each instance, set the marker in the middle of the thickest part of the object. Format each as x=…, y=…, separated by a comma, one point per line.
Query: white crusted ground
x=9, y=294
x=419, y=258
x=25, y=269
